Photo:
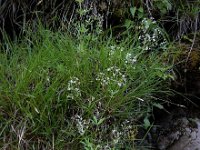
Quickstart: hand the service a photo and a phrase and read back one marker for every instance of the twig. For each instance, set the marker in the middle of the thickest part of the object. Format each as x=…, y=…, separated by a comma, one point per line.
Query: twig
x=193, y=40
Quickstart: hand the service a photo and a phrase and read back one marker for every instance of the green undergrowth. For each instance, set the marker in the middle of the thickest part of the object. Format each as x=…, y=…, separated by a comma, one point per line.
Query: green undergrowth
x=64, y=92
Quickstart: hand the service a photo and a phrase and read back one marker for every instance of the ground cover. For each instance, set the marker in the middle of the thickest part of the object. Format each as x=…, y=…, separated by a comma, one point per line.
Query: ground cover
x=59, y=91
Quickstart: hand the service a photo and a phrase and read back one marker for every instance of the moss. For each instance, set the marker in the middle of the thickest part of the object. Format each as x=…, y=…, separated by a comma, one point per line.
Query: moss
x=190, y=52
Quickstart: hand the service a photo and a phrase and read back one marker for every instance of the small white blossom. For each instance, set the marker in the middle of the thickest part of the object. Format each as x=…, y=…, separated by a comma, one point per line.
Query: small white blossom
x=130, y=59
x=113, y=75
x=115, y=135
x=81, y=124
x=73, y=87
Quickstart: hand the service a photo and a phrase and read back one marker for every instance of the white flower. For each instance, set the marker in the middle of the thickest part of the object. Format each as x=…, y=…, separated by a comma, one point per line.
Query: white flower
x=73, y=88
x=112, y=47
x=81, y=124
x=130, y=59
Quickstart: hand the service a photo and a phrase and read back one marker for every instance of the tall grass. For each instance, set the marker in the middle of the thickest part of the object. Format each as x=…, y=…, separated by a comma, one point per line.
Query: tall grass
x=62, y=92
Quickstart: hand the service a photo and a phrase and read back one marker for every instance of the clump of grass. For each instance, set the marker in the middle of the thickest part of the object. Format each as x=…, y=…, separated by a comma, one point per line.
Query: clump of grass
x=59, y=92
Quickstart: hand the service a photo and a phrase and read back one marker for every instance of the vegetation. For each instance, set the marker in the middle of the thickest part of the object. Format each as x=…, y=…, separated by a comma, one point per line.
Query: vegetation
x=178, y=17
x=79, y=87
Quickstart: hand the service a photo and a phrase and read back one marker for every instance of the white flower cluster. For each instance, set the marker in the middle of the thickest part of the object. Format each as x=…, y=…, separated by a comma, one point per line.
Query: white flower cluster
x=98, y=110
x=113, y=75
x=99, y=23
x=114, y=48
x=146, y=23
x=81, y=124
x=90, y=19
x=151, y=36
x=73, y=87
x=104, y=80
x=85, y=127
x=115, y=136
x=130, y=59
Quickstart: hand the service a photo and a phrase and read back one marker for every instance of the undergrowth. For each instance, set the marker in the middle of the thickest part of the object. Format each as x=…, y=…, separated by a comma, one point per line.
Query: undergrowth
x=63, y=92
x=82, y=89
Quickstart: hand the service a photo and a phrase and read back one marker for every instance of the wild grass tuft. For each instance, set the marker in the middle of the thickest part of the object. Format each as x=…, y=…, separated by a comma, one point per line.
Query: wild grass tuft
x=64, y=92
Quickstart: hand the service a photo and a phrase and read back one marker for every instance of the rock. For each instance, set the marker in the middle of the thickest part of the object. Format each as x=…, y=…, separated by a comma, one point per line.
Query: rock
x=181, y=133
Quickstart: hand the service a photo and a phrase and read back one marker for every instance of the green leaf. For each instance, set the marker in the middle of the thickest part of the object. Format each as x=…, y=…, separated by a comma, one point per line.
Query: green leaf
x=146, y=123
x=128, y=23
x=140, y=12
x=101, y=121
x=95, y=120
x=133, y=10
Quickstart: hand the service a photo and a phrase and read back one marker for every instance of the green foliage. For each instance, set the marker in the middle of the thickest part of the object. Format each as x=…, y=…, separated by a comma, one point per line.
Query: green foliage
x=180, y=17
x=81, y=89
x=68, y=91
x=139, y=11
x=163, y=6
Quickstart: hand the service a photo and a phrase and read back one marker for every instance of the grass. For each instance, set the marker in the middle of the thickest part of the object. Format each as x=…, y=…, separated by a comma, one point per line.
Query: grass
x=64, y=92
